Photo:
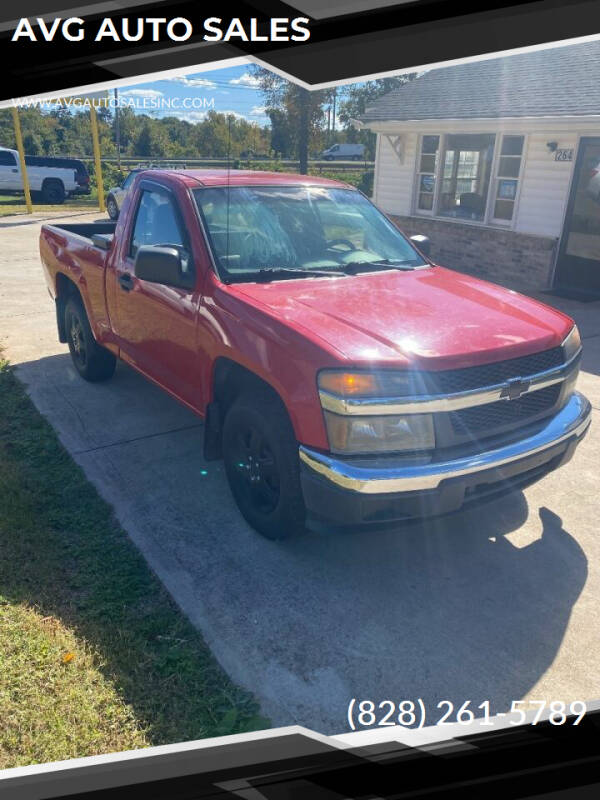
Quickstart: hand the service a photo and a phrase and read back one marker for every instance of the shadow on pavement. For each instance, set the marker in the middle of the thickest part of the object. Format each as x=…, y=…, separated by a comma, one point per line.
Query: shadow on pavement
x=447, y=609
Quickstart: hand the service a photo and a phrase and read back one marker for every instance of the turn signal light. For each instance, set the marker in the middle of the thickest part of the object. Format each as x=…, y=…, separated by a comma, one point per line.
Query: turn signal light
x=348, y=384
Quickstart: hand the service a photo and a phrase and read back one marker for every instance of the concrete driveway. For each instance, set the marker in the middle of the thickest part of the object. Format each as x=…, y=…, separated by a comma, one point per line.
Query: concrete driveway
x=498, y=603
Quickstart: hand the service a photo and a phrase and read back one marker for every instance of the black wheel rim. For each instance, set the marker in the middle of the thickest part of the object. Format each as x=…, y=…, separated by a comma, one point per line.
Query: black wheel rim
x=77, y=340
x=255, y=470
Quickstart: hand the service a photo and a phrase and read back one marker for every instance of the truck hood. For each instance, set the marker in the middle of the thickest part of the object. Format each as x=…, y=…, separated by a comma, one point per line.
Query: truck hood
x=430, y=318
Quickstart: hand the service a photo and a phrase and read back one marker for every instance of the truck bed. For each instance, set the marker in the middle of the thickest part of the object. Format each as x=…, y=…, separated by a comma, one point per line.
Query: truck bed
x=87, y=229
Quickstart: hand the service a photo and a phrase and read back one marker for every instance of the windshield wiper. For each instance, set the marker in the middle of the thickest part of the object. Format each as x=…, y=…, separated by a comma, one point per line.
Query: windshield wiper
x=385, y=263
x=272, y=273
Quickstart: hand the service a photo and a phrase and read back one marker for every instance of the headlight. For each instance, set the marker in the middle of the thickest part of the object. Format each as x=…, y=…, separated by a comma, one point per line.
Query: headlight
x=383, y=434
x=572, y=344
x=366, y=433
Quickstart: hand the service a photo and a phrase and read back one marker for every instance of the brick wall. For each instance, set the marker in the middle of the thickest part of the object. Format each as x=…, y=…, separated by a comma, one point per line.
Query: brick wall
x=517, y=260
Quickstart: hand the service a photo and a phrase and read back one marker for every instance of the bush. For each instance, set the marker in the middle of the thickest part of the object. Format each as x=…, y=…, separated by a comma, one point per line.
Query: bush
x=111, y=175
x=366, y=182
x=361, y=179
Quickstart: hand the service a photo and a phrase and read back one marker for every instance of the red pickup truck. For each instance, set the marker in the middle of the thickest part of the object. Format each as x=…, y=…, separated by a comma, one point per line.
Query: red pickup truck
x=344, y=378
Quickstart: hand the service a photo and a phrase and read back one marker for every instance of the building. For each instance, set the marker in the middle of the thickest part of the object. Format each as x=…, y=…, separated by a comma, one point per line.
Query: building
x=498, y=162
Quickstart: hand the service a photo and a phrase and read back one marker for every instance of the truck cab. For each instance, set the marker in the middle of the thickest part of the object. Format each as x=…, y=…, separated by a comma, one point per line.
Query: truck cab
x=50, y=184
x=344, y=378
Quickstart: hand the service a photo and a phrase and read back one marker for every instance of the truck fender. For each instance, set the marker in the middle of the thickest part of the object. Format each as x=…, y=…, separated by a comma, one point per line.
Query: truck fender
x=65, y=288
x=229, y=380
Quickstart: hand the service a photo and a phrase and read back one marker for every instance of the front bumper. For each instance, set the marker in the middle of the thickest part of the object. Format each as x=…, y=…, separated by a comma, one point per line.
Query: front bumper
x=353, y=492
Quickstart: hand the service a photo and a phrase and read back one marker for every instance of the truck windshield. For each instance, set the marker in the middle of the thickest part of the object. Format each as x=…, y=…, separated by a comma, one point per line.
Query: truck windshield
x=279, y=232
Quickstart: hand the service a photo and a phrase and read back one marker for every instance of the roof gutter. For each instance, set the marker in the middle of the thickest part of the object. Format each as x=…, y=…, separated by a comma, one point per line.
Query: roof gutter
x=550, y=123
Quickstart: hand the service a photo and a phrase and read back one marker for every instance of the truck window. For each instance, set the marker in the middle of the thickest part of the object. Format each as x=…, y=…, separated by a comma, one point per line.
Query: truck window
x=7, y=159
x=302, y=227
x=156, y=222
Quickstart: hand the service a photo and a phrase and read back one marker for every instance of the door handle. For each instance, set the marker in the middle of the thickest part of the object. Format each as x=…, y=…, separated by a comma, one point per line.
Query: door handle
x=126, y=281
x=15, y=170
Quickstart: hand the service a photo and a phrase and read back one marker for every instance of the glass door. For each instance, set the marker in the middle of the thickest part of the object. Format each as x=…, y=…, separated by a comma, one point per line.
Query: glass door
x=578, y=265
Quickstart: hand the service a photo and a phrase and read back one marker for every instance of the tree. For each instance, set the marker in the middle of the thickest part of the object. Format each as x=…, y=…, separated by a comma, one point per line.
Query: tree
x=128, y=125
x=32, y=144
x=302, y=112
x=150, y=141
x=356, y=100
x=281, y=134
x=212, y=136
x=68, y=134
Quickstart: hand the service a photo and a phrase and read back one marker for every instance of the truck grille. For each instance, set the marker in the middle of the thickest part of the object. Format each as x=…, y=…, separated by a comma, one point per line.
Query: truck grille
x=494, y=416
x=463, y=380
x=502, y=416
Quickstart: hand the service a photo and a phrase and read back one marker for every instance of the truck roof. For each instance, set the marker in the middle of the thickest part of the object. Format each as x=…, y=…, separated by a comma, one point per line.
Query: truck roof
x=245, y=177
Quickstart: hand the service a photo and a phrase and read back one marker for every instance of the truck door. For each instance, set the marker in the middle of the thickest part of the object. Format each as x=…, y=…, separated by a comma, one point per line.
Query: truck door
x=10, y=174
x=156, y=324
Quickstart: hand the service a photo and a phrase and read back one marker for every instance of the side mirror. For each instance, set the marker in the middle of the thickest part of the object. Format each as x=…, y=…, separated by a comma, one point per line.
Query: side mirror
x=422, y=243
x=162, y=265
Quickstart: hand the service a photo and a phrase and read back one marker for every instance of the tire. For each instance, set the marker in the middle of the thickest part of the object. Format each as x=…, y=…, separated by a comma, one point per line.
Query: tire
x=112, y=208
x=93, y=362
x=260, y=453
x=53, y=192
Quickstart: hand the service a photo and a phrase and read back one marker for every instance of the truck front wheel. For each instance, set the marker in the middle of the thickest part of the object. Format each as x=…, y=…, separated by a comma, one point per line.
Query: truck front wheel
x=112, y=207
x=260, y=453
x=93, y=362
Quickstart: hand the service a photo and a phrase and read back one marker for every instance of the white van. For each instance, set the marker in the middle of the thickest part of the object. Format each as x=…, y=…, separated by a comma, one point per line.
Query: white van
x=344, y=152
x=51, y=185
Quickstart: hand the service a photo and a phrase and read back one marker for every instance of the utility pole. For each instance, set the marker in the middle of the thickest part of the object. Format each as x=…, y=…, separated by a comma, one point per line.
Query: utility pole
x=97, y=161
x=333, y=114
x=117, y=129
x=303, y=132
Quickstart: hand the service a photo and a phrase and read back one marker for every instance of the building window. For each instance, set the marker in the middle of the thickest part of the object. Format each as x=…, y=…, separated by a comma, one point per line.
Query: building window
x=507, y=177
x=457, y=170
x=430, y=147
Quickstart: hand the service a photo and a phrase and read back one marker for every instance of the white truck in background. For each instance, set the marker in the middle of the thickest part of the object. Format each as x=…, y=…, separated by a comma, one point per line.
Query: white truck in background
x=50, y=185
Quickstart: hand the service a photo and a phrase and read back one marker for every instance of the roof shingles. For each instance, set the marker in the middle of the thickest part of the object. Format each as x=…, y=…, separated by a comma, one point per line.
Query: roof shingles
x=560, y=81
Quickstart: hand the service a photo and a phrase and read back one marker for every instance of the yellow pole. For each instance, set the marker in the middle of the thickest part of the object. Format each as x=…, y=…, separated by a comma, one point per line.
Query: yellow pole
x=98, y=165
x=19, y=138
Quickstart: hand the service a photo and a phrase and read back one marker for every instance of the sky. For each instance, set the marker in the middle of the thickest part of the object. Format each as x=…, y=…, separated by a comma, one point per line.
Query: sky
x=233, y=89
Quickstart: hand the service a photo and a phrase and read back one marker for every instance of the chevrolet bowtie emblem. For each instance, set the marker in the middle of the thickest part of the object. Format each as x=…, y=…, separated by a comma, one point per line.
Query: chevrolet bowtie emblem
x=514, y=388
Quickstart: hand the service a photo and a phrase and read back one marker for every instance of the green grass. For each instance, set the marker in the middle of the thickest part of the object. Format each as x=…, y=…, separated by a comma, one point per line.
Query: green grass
x=94, y=655
x=15, y=204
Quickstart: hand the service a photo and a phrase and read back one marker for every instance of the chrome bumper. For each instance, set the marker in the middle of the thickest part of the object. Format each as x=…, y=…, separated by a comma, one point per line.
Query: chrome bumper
x=570, y=423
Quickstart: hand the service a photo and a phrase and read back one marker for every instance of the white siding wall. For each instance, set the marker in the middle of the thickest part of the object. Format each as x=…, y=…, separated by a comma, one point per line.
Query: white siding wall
x=394, y=181
x=544, y=186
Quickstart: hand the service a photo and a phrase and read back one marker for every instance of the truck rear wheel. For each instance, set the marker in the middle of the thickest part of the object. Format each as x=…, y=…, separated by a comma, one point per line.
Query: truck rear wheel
x=53, y=192
x=93, y=362
x=260, y=453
